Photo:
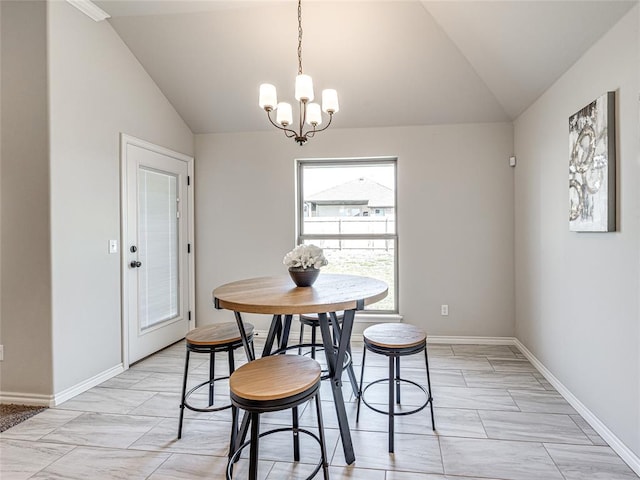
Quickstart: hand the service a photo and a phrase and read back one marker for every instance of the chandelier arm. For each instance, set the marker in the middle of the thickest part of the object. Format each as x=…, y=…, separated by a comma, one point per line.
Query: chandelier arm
x=290, y=134
x=311, y=133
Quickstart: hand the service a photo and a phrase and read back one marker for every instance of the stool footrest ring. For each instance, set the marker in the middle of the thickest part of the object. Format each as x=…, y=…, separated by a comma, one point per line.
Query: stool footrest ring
x=204, y=409
x=394, y=413
x=236, y=456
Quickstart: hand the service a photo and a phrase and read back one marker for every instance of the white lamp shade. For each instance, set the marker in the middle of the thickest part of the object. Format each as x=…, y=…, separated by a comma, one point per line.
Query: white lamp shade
x=268, y=98
x=314, y=116
x=330, y=101
x=284, y=114
x=304, y=88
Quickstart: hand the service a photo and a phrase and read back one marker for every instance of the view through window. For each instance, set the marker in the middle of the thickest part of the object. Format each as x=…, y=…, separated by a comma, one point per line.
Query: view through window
x=348, y=208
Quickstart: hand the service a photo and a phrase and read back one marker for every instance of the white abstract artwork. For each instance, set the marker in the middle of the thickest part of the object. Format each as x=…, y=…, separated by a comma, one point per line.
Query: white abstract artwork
x=592, y=167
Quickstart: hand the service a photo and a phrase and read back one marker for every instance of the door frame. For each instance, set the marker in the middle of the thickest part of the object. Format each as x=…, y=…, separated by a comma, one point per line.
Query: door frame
x=126, y=140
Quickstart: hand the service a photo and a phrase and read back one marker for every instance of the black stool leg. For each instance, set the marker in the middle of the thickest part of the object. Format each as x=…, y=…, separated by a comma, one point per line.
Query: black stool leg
x=398, y=380
x=364, y=355
x=296, y=435
x=313, y=342
x=323, y=449
x=232, y=360
x=430, y=399
x=391, y=401
x=184, y=390
x=233, y=441
x=253, y=351
x=301, y=338
x=243, y=428
x=253, y=452
x=212, y=374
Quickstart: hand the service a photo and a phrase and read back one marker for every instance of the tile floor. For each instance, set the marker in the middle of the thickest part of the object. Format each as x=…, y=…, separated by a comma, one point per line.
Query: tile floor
x=496, y=417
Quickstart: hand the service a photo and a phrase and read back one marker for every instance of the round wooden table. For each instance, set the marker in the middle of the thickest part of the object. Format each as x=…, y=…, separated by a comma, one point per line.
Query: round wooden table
x=279, y=296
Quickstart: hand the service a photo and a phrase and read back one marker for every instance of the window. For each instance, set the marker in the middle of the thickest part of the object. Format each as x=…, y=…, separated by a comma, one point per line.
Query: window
x=348, y=208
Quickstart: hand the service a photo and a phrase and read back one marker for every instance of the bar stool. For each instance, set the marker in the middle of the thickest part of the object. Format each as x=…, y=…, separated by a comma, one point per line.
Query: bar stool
x=312, y=320
x=269, y=384
x=395, y=340
x=211, y=339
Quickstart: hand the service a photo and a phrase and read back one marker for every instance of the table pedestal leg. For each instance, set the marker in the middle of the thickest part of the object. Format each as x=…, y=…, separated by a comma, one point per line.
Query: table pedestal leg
x=335, y=362
x=245, y=342
x=275, y=331
x=336, y=334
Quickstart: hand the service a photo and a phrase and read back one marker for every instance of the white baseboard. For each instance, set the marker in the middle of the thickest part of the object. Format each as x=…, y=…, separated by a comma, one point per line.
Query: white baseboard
x=57, y=399
x=26, y=399
x=362, y=317
x=607, y=435
x=471, y=340
x=86, y=385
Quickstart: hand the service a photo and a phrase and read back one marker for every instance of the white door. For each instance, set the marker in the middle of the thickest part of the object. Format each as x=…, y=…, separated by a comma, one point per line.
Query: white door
x=156, y=248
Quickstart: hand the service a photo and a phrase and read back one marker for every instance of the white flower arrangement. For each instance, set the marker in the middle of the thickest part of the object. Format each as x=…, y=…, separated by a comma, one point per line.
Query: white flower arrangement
x=305, y=256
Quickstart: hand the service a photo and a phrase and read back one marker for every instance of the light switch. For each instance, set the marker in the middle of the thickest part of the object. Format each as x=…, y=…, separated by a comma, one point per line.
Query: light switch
x=113, y=246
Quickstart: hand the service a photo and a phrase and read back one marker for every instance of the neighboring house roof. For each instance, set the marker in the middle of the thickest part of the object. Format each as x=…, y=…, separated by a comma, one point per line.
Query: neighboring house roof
x=361, y=191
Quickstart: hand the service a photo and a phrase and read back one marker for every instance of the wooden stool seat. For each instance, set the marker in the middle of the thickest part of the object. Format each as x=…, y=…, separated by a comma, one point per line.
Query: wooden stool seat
x=275, y=377
x=217, y=334
x=394, y=335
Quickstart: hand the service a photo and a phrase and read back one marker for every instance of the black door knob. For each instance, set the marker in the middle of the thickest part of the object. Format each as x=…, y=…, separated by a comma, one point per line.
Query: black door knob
x=135, y=264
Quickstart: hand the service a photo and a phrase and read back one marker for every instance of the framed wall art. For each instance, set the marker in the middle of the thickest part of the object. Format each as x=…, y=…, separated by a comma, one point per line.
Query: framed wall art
x=592, y=167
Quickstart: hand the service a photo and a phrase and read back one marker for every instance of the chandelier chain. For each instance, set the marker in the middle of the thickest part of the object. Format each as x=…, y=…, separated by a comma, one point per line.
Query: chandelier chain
x=299, y=37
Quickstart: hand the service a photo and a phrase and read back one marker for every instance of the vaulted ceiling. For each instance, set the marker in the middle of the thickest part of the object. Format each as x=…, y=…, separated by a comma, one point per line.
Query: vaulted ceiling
x=392, y=62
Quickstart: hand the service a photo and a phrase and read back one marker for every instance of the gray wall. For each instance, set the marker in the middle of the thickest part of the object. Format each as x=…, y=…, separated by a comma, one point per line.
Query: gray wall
x=61, y=316
x=97, y=90
x=455, y=216
x=577, y=293
x=25, y=314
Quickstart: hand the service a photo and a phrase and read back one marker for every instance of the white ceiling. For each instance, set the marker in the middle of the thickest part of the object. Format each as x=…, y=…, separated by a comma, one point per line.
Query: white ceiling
x=392, y=62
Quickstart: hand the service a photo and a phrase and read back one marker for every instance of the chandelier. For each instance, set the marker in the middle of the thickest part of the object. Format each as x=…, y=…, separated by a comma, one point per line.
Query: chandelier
x=309, y=112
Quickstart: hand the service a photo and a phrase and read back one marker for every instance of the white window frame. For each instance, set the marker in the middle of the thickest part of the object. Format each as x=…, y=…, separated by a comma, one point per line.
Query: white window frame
x=366, y=315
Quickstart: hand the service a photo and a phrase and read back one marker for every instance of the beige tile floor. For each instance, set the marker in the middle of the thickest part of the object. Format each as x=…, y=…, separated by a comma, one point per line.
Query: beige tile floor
x=497, y=418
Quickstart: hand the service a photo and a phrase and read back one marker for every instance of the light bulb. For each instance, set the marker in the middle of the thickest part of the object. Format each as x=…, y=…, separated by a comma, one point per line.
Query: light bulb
x=314, y=116
x=304, y=88
x=330, y=101
x=284, y=114
x=268, y=98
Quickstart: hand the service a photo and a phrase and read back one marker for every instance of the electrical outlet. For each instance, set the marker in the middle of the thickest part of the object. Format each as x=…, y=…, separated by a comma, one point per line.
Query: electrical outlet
x=1, y=352
x=444, y=310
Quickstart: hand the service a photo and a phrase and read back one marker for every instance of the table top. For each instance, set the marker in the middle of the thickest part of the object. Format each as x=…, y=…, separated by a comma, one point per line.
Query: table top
x=278, y=295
